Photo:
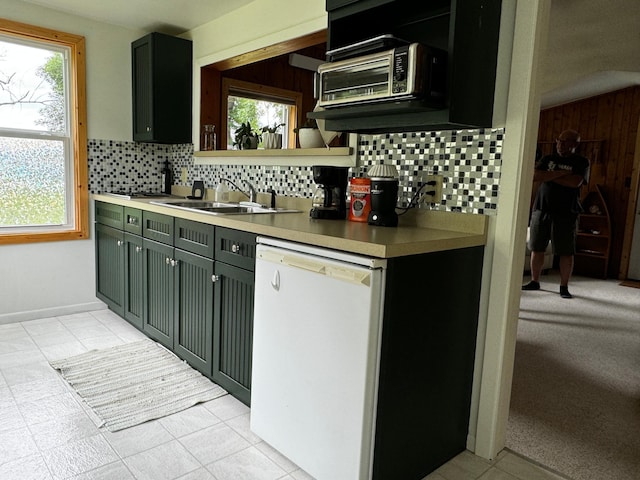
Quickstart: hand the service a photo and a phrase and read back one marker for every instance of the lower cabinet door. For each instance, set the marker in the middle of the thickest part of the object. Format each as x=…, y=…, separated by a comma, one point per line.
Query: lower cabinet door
x=110, y=267
x=194, y=310
x=134, y=280
x=158, y=265
x=233, y=330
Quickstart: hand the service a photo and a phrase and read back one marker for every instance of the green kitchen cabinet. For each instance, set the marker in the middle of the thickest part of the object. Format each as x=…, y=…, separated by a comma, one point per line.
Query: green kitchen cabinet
x=193, y=305
x=158, y=291
x=133, y=280
x=178, y=287
x=185, y=284
x=110, y=267
x=233, y=311
x=119, y=260
x=162, y=85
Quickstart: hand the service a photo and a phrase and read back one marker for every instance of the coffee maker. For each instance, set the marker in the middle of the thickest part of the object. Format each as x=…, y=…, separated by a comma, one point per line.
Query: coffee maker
x=330, y=198
x=384, y=195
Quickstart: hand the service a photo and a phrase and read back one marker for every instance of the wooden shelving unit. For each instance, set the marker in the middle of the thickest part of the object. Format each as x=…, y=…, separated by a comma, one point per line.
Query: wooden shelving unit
x=593, y=241
x=336, y=156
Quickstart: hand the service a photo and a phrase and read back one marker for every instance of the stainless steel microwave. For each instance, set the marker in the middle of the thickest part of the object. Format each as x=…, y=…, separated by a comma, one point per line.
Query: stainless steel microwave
x=407, y=72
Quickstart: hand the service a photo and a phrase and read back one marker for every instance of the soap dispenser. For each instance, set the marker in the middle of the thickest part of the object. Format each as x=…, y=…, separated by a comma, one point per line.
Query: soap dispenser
x=222, y=192
x=167, y=179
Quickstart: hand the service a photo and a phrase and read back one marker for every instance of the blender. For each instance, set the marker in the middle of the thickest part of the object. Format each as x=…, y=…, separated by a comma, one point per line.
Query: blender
x=384, y=195
x=330, y=198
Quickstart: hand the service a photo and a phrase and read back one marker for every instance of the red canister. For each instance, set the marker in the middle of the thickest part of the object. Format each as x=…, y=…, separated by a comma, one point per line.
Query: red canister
x=360, y=205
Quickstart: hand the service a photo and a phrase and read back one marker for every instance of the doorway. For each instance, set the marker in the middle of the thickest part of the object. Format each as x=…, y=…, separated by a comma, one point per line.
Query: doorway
x=575, y=382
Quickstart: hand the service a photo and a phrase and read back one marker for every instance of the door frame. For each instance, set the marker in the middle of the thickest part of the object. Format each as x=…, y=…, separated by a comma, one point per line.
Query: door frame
x=633, y=212
x=506, y=237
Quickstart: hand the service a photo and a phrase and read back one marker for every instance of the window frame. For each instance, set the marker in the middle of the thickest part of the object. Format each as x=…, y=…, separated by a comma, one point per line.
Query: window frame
x=235, y=87
x=79, y=230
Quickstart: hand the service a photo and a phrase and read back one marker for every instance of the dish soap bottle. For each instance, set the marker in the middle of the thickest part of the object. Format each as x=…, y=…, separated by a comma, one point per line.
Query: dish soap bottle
x=167, y=179
x=222, y=192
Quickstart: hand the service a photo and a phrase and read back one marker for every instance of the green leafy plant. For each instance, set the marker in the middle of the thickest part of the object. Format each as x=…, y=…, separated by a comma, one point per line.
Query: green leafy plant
x=273, y=129
x=244, y=134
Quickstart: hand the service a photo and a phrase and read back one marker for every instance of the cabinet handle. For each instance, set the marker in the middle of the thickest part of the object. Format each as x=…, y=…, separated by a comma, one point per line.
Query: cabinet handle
x=133, y=221
x=148, y=129
x=174, y=263
x=167, y=261
x=235, y=248
x=215, y=278
x=138, y=249
x=120, y=243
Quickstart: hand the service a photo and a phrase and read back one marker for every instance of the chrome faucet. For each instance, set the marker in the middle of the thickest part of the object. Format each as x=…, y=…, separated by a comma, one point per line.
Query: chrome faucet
x=252, y=195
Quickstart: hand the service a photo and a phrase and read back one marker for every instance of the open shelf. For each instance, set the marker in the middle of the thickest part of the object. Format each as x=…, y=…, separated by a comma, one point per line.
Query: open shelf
x=593, y=241
x=335, y=156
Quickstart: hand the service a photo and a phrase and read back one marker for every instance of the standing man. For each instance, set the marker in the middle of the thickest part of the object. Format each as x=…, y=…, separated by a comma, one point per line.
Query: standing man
x=556, y=208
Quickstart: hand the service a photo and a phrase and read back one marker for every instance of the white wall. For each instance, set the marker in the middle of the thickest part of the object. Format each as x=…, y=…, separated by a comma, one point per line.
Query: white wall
x=257, y=25
x=58, y=277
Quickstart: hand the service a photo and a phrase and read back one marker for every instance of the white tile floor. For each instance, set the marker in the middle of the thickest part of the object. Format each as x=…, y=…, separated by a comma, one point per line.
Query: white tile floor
x=47, y=433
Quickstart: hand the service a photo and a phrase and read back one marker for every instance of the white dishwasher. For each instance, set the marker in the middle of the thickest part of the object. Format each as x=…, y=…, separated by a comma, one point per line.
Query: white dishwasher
x=317, y=331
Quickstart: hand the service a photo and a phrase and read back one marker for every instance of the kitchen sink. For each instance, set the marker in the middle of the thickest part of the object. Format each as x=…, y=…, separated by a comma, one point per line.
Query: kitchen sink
x=218, y=208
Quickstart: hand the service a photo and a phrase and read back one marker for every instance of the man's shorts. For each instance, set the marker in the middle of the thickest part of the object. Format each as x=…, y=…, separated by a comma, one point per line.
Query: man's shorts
x=559, y=228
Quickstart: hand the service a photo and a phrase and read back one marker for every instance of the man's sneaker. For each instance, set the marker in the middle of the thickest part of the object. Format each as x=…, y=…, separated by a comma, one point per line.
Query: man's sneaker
x=564, y=292
x=532, y=285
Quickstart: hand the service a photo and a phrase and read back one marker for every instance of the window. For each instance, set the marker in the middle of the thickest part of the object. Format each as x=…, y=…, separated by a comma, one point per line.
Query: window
x=43, y=145
x=262, y=106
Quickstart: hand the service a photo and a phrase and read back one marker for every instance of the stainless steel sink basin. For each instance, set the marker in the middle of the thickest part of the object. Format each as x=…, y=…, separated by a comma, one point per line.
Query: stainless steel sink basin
x=217, y=208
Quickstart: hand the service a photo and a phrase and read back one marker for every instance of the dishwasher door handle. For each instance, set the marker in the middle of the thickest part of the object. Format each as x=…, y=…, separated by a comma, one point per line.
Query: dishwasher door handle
x=275, y=281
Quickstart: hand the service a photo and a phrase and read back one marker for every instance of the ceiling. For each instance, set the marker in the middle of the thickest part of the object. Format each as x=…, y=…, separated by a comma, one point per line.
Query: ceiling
x=592, y=45
x=592, y=48
x=172, y=17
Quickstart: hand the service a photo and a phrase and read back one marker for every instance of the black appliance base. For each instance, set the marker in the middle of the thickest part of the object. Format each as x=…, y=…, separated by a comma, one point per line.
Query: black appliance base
x=383, y=219
x=327, y=214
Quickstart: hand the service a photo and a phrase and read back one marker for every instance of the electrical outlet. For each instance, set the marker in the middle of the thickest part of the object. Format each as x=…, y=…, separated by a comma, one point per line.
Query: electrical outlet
x=183, y=175
x=437, y=188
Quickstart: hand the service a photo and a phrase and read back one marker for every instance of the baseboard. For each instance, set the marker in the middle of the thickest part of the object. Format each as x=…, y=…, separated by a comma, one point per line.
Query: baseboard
x=59, y=311
x=630, y=283
x=471, y=442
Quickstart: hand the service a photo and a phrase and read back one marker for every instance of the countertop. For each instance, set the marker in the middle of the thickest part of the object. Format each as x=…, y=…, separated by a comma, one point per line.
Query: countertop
x=418, y=231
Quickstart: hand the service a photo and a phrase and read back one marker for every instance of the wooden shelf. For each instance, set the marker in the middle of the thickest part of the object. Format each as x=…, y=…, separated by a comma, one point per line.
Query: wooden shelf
x=592, y=249
x=336, y=156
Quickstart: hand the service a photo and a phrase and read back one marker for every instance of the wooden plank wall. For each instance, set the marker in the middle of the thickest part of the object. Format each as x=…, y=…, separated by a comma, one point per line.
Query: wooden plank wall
x=273, y=72
x=613, y=118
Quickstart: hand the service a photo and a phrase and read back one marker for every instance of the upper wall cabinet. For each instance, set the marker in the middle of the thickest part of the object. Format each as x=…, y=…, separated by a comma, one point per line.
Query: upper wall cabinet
x=468, y=30
x=162, y=83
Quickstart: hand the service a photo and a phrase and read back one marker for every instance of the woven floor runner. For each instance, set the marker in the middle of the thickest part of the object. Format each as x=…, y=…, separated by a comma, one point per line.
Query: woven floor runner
x=130, y=384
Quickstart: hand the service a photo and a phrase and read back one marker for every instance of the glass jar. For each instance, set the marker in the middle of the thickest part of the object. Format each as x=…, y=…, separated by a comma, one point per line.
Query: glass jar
x=208, y=141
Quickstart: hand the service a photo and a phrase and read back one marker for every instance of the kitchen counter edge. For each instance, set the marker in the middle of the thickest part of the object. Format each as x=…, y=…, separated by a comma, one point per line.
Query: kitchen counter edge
x=420, y=232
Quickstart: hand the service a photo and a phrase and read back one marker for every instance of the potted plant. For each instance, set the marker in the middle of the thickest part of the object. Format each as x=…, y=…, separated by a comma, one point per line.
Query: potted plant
x=270, y=137
x=245, y=137
x=309, y=135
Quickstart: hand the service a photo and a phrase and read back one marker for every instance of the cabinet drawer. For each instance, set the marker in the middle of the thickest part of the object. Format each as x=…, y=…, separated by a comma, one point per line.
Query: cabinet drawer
x=109, y=214
x=236, y=248
x=133, y=220
x=194, y=237
x=158, y=227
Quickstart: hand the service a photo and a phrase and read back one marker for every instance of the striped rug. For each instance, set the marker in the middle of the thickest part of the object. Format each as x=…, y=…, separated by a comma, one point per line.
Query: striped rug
x=130, y=384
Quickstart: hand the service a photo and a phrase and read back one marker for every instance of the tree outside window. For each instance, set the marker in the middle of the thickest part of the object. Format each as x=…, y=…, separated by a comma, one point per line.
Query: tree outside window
x=43, y=191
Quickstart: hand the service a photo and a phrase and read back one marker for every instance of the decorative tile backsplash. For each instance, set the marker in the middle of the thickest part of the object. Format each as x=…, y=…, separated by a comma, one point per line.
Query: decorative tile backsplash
x=468, y=160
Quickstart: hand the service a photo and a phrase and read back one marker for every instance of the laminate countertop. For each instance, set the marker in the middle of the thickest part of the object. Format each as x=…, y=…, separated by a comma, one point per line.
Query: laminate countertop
x=419, y=231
